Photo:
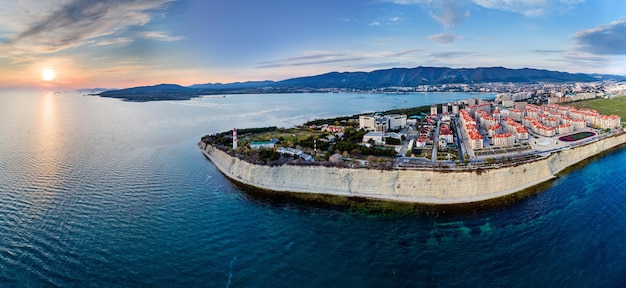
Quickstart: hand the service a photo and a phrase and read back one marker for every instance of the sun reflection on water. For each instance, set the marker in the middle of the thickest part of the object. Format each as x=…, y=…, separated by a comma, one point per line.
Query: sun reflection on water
x=48, y=141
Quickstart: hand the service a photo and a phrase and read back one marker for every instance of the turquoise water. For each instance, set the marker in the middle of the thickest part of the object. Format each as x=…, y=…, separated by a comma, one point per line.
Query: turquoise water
x=98, y=192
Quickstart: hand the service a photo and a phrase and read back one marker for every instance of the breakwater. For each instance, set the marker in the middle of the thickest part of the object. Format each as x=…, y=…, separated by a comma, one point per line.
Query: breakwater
x=416, y=186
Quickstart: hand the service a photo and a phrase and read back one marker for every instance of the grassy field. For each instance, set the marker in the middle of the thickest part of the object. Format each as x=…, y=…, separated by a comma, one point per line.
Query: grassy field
x=616, y=106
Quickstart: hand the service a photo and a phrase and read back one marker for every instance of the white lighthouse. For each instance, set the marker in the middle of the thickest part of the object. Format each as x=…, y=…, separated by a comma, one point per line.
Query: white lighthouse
x=234, y=138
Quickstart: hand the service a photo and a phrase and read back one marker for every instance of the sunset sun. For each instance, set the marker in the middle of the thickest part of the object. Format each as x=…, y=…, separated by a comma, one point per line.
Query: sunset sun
x=48, y=74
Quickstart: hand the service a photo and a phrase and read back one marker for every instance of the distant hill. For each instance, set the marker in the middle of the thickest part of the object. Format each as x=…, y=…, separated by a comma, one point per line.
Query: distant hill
x=436, y=75
x=407, y=77
x=236, y=85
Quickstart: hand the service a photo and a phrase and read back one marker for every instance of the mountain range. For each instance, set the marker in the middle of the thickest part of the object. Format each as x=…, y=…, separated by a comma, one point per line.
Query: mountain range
x=394, y=77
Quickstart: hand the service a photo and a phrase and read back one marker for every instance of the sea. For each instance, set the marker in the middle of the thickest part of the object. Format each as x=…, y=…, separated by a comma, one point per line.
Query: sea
x=98, y=192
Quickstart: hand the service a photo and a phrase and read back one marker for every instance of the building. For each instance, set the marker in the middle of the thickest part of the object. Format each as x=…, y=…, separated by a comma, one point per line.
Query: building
x=379, y=138
x=505, y=139
x=261, y=144
x=445, y=116
x=494, y=130
x=376, y=137
x=446, y=134
x=295, y=152
x=608, y=122
x=564, y=129
x=455, y=108
x=475, y=140
x=433, y=109
x=421, y=142
x=521, y=133
x=380, y=123
x=516, y=114
x=331, y=128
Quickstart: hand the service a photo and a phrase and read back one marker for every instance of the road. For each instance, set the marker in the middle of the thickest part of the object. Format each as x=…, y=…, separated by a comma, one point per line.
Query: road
x=436, y=140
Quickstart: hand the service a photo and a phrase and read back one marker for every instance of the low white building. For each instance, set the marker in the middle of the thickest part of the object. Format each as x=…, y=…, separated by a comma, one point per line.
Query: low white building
x=379, y=137
x=376, y=137
x=262, y=144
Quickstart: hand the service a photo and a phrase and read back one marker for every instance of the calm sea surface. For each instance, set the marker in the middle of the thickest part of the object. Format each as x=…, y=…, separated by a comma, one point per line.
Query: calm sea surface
x=99, y=192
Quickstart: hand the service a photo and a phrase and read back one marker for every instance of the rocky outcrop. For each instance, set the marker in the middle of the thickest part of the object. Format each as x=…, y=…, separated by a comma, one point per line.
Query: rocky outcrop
x=418, y=186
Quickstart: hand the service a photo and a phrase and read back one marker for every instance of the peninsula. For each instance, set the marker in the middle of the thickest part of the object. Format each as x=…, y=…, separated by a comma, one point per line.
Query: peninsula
x=454, y=153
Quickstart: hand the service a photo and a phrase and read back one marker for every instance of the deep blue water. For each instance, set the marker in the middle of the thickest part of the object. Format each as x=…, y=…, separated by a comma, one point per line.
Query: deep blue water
x=100, y=192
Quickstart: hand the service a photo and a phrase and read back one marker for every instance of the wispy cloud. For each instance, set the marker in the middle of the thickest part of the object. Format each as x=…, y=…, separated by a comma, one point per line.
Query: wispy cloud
x=454, y=12
x=450, y=54
x=578, y=62
x=447, y=12
x=309, y=56
x=113, y=41
x=528, y=7
x=450, y=12
x=547, y=51
x=160, y=36
x=607, y=39
x=385, y=22
x=312, y=58
x=325, y=57
x=444, y=38
x=308, y=63
x=402, y=53
x=67, y=24
x=377, y=65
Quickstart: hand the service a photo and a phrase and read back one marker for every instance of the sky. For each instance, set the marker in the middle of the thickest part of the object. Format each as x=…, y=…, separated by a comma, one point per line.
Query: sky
x=73, y=44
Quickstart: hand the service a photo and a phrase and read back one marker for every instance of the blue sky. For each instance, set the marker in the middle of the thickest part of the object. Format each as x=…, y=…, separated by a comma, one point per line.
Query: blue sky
x=123, y=43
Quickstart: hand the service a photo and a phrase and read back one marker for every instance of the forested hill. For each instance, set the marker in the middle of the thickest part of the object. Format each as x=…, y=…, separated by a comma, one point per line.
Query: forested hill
x=395, y=77
x=435, y=75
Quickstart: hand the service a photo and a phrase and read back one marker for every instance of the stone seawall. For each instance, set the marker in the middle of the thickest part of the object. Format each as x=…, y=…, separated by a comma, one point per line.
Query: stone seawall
x=417, y=186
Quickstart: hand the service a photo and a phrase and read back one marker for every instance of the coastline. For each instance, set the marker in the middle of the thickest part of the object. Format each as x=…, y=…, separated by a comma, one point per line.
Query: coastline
x=411, y=186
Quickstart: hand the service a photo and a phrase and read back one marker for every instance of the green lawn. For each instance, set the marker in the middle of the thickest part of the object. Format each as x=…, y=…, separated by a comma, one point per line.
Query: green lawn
x=616, y=106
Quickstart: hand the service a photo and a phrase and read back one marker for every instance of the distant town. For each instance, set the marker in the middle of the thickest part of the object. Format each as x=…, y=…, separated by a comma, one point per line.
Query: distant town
x=523, y=122
x=538, y=91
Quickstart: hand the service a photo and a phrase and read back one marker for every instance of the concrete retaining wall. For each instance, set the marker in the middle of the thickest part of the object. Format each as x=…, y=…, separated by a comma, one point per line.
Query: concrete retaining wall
x=406, y=185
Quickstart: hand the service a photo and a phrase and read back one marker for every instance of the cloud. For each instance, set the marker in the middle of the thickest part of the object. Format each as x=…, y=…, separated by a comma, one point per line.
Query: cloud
x=313, y=58
x=402, y=53
x=548, y=51
x=447, y=12
x=160, y=36
x=454, y=12
x=310, y=55
x=67, y=24
x=324, y=57
x=604, y=40
x=450, y=12
x=450, y=54
x=444, y=38
x=113, y=41
x=527, y=7
x=274, y=65
x=575, y=61
x=378, y=65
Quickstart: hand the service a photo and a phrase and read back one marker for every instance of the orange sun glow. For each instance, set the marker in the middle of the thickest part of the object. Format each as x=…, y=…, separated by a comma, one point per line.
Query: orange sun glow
x=48, y=74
